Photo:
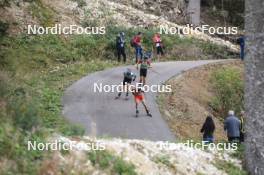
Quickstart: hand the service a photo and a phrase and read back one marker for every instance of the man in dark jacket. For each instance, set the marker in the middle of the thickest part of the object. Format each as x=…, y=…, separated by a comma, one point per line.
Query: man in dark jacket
x=232, y=127
x=241, y=42
x=120, y=46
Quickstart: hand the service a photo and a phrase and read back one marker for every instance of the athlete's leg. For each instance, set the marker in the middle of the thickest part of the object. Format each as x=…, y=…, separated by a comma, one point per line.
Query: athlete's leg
x=124, y=54
x=145, y=106
x=158, y=54
x=136, y=102
x=127, y=88
x=120, y=92
x=137, y=54
x=141, y=79
x=141, y=53
x=118, y=54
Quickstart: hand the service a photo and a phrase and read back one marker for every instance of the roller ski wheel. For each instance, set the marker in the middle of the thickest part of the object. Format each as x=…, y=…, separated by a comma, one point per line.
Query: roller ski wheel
x=149, y=114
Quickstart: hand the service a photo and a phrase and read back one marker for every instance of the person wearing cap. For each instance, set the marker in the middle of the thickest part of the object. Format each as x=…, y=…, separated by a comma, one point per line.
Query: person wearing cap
x=129, y=76
x=140, y=98
x=232, y=127
x=144, y=65
x=120, y=46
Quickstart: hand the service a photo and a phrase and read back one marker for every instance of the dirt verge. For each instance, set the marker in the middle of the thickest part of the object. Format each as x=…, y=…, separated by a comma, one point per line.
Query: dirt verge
x=187, y=106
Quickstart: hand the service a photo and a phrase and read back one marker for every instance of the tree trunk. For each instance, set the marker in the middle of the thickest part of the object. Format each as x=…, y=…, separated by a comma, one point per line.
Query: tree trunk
x=254, y=97
x=194, y=12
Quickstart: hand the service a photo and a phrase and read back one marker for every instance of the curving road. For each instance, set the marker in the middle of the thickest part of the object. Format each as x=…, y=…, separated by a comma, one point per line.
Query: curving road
x=102, y=115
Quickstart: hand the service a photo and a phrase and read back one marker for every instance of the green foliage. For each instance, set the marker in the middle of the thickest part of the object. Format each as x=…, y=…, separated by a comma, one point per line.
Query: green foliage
x=106, y=160
x=239, y=153
x=30, y=53
x=102, y=158
x=163, y=159
x=42, y=13
x=72, y=130
x=3, y=28
x=24, y=113
x=13, y=146
x=122, y=167
x=228, y=85
x=229, y=168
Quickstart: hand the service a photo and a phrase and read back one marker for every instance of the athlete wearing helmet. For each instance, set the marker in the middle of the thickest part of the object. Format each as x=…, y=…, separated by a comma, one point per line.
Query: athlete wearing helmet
x=144, y=65
x=129, y=76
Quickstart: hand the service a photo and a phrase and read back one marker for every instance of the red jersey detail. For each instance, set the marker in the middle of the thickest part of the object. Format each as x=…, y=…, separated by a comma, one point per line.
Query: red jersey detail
x=137, y=40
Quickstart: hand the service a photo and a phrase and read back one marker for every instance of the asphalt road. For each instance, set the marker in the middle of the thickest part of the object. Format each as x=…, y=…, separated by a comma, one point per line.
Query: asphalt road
x=101, y=115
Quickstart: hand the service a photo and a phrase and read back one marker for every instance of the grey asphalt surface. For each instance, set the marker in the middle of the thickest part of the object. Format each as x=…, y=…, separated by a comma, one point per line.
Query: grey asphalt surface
x=101, y=115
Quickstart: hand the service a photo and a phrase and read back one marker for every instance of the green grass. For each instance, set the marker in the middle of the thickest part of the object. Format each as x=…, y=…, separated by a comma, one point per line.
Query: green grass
x=163, y=159
x=228, y=85
x=229, y=168
x=35, y=70
x=42, y=13
x=239, y=153
x=111, y=163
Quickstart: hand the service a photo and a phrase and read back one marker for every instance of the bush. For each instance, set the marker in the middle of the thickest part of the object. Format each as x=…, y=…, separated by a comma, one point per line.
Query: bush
x=72, y=130
x=228, y=86
x=13, y=148
x=3, y=28
x=106, y=160
x=25, y=114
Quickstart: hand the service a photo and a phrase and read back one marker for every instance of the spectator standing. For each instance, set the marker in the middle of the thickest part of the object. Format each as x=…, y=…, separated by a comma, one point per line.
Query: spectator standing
x=241, y=41
x=158, y=45
x=137, y=44
x=208, y=130
x=120, y=46
x=232, y=127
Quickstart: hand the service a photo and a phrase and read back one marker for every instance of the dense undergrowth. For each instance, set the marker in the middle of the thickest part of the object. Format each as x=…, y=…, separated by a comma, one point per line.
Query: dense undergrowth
x=228, y=85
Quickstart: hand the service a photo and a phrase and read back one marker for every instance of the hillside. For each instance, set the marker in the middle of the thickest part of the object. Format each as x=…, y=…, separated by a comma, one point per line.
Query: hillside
x=46, y=13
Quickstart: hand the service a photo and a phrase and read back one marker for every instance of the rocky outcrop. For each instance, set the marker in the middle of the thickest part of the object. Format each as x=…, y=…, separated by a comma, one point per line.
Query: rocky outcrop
x=171, y=10
x=147, y=157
